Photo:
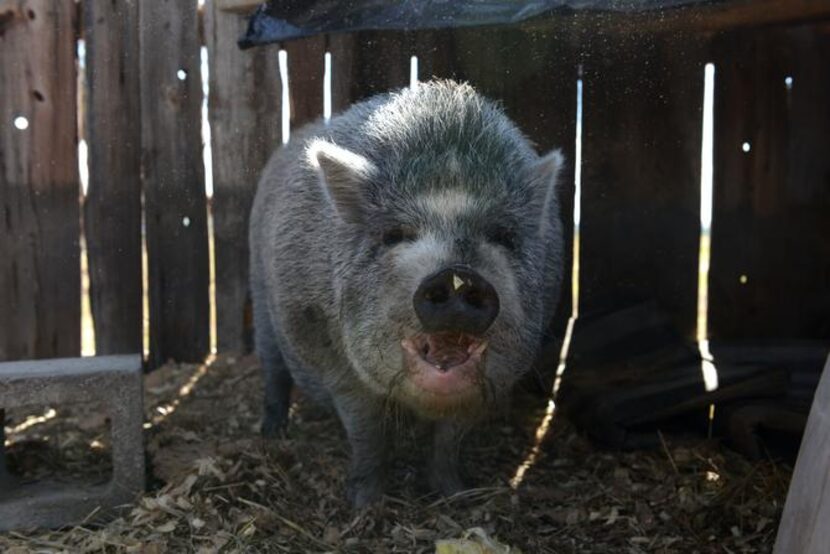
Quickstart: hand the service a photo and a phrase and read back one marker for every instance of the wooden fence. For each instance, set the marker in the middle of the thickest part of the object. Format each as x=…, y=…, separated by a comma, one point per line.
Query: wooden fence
x=640, y=173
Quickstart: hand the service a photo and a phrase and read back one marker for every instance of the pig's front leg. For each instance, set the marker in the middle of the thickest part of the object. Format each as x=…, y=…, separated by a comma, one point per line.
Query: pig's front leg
x=363, y=421
x=444, y=466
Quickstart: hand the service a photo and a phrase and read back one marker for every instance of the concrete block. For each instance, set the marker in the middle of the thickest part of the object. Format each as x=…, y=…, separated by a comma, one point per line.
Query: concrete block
x=114, y=383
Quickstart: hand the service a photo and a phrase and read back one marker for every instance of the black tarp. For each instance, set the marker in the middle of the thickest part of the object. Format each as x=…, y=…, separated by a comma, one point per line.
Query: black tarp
x=281, y=20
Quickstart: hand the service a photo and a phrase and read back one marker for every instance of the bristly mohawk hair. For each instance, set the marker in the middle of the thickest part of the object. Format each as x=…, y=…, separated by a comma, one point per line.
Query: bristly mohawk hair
x=444, y=115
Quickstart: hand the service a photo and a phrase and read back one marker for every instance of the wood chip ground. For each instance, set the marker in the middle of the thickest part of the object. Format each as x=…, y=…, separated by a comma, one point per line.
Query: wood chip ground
x=215, y=486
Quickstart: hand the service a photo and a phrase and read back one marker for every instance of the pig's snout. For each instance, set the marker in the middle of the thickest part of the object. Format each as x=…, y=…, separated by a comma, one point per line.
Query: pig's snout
x=456, y=299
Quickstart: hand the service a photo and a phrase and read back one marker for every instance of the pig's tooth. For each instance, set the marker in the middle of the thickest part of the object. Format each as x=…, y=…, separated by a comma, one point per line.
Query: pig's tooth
x=479, y=350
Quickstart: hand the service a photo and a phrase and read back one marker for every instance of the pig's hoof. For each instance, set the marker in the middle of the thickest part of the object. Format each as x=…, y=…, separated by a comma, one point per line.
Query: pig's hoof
x=363, y=493
x=273, y=427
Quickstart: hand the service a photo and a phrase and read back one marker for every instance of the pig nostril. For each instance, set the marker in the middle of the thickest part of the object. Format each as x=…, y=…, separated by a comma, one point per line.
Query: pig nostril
x=474, y=298
x=438, y=295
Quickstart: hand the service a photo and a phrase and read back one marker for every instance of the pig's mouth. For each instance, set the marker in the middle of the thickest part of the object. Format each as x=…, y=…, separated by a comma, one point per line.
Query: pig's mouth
x=444, y=363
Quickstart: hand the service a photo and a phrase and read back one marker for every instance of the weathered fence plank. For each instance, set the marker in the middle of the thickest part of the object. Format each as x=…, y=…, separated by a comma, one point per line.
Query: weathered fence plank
x=341, y=47
x=305, y=79
x=803, y=527
x=174, y=192
x=770, y=273
x=39, y=187
x=112, y=209
x=244, y=112
x=380, y=63
x=640, y=228
x=436, y=54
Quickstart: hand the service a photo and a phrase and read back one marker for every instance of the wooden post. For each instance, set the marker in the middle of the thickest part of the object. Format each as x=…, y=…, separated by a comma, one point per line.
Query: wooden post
x=770, y=224
x=642, y=121
x=305, y=79
x=112, y=209
x=244, y=114
x=341, y=47
x=174, y=189
x=39, y=188
x=804, y=527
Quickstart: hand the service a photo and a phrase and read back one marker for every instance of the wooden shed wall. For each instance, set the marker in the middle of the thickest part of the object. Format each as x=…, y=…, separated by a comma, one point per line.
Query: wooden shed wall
x=771, y=222
x=642, y=102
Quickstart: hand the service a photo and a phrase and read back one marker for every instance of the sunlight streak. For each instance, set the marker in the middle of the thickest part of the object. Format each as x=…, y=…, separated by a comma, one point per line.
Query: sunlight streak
x=30, y=422
x=550, y=411
x=413, y=72
x=286, y=98
x=327, y=87
x=707, y=366
x=163, y=411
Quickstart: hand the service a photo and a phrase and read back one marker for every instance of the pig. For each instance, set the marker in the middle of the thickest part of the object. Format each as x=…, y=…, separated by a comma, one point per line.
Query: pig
x=406, y=256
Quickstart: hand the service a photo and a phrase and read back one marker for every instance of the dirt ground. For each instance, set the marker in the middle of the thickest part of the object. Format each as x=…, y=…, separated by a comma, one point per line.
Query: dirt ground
x=215, y=486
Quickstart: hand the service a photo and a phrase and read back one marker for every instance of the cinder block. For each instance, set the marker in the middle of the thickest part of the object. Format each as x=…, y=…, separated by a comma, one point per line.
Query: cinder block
x=114, y=383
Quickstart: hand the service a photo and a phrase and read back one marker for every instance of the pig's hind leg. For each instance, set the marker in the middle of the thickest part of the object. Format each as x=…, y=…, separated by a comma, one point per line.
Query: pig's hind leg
x=278, y=381
x=278, y=384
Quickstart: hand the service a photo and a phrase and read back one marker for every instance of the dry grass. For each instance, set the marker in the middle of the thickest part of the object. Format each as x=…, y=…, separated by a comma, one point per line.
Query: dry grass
x=215, y=486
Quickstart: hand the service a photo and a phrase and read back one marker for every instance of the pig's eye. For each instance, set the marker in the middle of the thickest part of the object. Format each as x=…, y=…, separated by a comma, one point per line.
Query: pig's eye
x=502, y=236
x=397, y=235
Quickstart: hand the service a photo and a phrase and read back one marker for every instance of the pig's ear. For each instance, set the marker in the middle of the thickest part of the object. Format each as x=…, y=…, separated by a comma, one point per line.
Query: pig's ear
x=546, y=172
x=343, y=175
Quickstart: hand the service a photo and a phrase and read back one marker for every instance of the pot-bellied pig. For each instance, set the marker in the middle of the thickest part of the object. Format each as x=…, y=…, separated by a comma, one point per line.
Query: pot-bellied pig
x=407, y=254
